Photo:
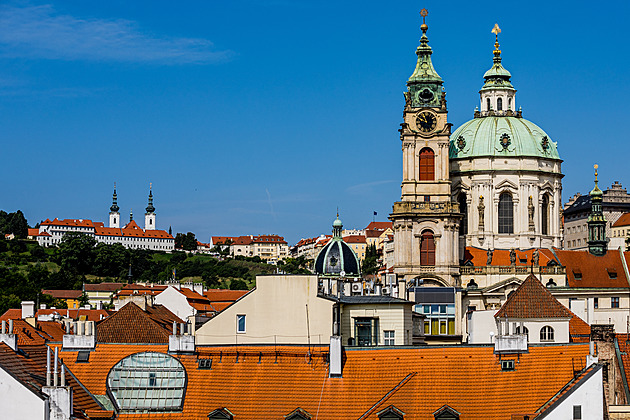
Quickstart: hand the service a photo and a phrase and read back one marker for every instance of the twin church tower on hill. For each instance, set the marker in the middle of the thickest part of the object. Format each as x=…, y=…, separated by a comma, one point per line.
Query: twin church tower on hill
x=493, y=183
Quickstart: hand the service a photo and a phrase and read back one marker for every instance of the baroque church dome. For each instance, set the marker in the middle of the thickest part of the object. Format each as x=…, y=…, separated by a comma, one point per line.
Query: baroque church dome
x=501, y=136
x=337, y=258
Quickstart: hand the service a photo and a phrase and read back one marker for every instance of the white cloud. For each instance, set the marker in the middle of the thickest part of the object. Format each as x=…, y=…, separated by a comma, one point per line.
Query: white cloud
x=39, y=32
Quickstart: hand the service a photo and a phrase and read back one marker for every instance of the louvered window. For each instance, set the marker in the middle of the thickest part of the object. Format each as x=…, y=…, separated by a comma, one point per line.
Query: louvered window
x=427, y=165
x=427, y=248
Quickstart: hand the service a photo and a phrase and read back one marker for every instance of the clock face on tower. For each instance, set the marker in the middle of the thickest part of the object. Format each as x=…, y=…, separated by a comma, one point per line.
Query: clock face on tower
x=426, y=121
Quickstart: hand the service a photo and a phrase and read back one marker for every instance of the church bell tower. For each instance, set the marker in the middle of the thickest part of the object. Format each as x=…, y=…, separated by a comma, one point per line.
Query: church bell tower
x=426, y=221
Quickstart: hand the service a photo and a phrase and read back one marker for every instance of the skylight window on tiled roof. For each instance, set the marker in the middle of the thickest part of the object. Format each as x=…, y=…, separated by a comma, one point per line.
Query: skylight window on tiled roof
x=83, y=356
x=148, y=381
x=577, y=275
x=612, y=273
x=507, y=365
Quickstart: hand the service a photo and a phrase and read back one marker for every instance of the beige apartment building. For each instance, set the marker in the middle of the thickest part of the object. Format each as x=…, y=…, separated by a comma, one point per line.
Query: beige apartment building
x=271, y=248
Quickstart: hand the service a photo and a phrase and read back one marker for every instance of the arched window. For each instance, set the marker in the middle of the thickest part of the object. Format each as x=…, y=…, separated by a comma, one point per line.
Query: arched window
x=499, y=104
x=525, y=330
x=427, y=248
x=463, y=224
x=545, y=215
x=546, y=333
x=427, y=163
x=506, y=213
x=488, y=104
x=509, y=103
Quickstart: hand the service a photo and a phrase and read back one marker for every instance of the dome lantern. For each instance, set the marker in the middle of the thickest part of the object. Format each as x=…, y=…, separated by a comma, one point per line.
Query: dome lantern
x=498, y=96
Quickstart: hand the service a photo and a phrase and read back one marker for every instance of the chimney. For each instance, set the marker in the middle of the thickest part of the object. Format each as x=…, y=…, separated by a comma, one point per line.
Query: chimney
x=83, y=339
x=59, y=395
x=181, y=343
x=28, y=309
x=335, y=356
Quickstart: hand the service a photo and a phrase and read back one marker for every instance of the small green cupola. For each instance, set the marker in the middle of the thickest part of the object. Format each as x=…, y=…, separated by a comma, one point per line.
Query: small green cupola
x=114, y=208
x=597, y=241
x=150, y=208
x=498, y=96
x=424, y=87
x=337, y=259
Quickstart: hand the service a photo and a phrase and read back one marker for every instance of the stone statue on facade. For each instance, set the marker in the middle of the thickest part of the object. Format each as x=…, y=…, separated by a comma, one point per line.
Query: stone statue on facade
x=535, y=257
x=482, y=210
x=489, y=254
x=530, y=213
x=512, y=257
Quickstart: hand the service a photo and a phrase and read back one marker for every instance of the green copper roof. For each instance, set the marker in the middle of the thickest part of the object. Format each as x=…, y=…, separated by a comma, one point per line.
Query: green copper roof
x=497, y=76
x=501, y=136
x=424, y=71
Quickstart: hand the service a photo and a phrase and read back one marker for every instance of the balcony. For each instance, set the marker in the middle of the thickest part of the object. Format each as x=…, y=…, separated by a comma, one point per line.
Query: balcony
x=425, y=207
x=516, y=343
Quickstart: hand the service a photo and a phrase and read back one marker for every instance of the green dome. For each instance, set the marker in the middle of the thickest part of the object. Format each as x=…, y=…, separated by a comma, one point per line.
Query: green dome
x=501, y=136
x=337, y=222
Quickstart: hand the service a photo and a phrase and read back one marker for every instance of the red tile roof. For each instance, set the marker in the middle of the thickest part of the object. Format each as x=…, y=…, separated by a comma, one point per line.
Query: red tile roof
x=281, y=379
x=63, y=294
x=133, y=325
x=624, y=220
x=86, y=223
x=379, y=226
x=139, y=289
x=354, y=239
x=579, y=331
x=532, y=300
x=224, y=295
x=596, y=271
x=76, y=314
x=102, y=287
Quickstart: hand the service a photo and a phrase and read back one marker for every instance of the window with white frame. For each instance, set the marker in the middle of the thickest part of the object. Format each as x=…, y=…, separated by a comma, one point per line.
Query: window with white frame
x=389, y=337
x=240, y=323
x=546, y=333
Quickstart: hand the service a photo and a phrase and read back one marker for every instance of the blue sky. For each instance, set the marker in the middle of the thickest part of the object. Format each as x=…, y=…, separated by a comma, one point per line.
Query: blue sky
x=264, y=117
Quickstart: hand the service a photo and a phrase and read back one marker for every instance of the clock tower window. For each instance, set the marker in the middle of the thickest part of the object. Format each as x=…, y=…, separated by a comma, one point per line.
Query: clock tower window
x=427, y=165
x=427, y=249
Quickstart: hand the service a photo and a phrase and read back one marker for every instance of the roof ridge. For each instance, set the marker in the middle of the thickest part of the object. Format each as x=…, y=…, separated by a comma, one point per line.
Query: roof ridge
x=532, y=295
x=389, y=393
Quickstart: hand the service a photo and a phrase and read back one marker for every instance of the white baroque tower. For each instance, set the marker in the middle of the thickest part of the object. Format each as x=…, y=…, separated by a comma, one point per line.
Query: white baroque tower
x=149, y=216
x=114, y=215
x=426, y=222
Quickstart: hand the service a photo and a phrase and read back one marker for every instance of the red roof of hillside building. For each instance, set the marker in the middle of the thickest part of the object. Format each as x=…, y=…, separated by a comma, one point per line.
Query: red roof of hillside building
x=281, y=379
x=532, y=300
x=269, y=239
x=63, y=294
x=587, y=270
x=33, y=232
x=379, y=226
x=107, y=231
x=29, y=368
x=354, y=239
x=220, y=240
x=624, y=220
x=102, y=287
x=501, y=257
x=139, y=289
x=224, y=295
x=133, y=325
x=133, y=230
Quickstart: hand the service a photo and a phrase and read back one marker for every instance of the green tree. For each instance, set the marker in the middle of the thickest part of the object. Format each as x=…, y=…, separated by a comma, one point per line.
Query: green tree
x=76, y=252
x=110, y=260
x=370, y=262
x=14, y=223
x=84, y=299
x=187, y=242
x=238, y=284
x=299, y=265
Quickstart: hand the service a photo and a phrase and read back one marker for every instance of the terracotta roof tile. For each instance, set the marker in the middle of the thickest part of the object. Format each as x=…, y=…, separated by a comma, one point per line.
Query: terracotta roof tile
x=379, y=226
x=69, y=222
x=624, y=220
x=63, y=294
x=354, y=239
x=281, y=379
x=532, y=300
x=587, y=270
x=102, y=287
x=224, y=295
x=133, y=325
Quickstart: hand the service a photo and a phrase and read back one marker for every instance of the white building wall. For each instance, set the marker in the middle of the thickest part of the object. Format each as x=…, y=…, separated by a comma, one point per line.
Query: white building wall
x=175, y=302
x=18, y=402
x=589, y=396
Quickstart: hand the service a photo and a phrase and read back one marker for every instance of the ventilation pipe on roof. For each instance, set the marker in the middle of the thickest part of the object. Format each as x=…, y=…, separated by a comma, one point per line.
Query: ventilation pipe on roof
x=84, y=337
x=59, y=396
x=181, y=343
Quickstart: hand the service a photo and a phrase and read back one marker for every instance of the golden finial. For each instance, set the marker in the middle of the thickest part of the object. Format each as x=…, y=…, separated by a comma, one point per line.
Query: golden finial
x=114, y=185
x=596, y=166
x=424, y=26
x=150, y=185
x=496, y=31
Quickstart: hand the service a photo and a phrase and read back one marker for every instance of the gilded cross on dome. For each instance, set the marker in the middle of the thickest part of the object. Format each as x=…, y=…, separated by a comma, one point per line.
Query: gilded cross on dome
x=496, y=30
x=424, y=13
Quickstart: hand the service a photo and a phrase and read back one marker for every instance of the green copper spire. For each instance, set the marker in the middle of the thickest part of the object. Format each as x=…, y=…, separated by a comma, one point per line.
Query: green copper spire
x=337, y=227
x=114, y=208
x=497, y=76
x=597, y=242
x=150, y=208
x=424, y=85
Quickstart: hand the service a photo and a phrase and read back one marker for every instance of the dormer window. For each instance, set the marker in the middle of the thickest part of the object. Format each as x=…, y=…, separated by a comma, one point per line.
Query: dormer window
x=390, y=413
x=577, y=275
x=298, y=414
x=446, y=413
